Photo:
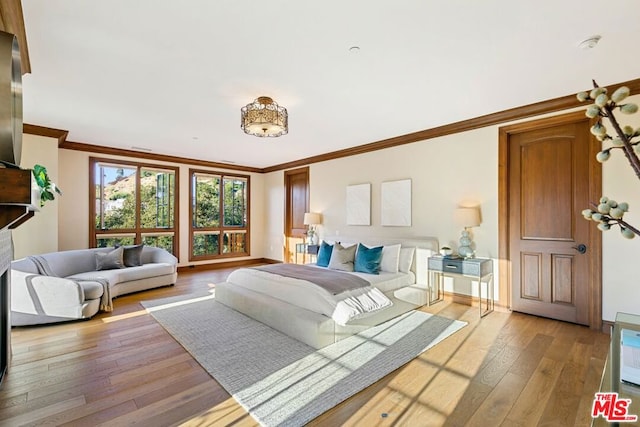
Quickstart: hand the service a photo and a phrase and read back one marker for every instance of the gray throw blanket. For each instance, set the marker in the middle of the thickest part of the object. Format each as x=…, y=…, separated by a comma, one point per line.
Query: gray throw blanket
x=44, y=269
x=333, y=281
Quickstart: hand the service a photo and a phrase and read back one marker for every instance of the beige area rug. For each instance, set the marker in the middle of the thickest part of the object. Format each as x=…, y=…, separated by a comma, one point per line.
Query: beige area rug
x=279, y=380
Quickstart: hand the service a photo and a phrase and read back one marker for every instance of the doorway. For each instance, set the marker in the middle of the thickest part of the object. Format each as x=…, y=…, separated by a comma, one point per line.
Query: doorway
x=550, y=256
x=296, y=183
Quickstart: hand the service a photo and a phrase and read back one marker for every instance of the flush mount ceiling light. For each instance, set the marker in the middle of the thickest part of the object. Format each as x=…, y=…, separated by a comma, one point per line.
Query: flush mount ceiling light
x=264, y=117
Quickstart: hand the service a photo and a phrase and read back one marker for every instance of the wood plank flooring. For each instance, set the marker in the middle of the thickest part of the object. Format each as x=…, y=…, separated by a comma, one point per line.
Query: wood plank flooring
x=122, y=368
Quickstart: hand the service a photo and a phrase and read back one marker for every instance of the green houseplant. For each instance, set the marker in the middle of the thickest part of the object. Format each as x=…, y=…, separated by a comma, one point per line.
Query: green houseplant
x=46, y=186
x=608, y=212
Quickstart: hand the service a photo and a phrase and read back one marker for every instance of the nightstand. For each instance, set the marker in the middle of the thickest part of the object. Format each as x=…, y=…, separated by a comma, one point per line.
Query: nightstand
x=313, y=249
x=480, y=269
x=306, y=249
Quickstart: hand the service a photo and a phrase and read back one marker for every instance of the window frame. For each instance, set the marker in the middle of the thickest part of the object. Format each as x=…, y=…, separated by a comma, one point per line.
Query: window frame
x=221, y=229
x=138, y=230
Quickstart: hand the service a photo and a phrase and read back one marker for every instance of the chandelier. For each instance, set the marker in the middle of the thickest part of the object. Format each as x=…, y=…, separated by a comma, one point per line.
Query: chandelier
x=264, y=117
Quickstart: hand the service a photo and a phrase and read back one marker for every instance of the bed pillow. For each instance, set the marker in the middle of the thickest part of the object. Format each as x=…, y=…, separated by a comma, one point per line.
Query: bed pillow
x=390, y=258
x=368, y=259
x=342, y=258
x=324, y=254
x=348, y=244
x=406, y=259
x=110, y=260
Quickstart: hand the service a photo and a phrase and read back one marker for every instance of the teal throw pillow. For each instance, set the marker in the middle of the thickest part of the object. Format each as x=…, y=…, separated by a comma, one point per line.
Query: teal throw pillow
x=324, y=254
x=368, y=259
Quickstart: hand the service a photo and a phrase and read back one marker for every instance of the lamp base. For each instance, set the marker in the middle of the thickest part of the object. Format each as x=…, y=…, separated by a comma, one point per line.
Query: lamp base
x=311, y=235
x=465, y=250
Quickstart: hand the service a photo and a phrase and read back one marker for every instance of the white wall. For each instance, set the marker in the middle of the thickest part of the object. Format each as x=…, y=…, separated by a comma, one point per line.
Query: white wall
x=273, y=231
x=74, y=216
x=440, y=172
x=449, y=171
x=40, y=233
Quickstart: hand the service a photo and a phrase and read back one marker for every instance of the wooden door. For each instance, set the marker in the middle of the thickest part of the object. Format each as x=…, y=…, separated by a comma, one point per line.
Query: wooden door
x=296, y=184
x=550, y=181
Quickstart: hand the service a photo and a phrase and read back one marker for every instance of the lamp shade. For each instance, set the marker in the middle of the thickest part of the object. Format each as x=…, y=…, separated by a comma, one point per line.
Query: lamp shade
x=467, y=217
x=311, y=218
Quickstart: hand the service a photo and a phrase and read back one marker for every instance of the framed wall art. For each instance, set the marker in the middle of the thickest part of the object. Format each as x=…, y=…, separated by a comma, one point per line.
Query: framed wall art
x=359, y=204
x=396, y=203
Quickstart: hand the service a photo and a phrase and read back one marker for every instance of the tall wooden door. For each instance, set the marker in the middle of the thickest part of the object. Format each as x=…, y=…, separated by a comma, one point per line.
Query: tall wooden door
x=550, y=164
x=296, y=183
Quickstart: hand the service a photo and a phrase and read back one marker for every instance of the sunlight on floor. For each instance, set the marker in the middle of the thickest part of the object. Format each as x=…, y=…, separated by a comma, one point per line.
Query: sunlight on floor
x=131, y=315
x=226, y=413
x=445, y=371
x=179, y=303
x=123, y=316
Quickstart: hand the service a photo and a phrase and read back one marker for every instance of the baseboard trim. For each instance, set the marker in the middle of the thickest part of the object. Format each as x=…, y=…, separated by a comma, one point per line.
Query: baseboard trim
x=226, y=264
x=607, y=326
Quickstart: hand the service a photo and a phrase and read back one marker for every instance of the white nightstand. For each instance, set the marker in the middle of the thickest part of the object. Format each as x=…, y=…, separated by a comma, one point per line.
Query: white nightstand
x=480, y=269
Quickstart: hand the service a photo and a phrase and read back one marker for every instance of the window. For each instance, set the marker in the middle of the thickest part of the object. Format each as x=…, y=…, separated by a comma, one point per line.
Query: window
x=219, y=211
x=133, y=203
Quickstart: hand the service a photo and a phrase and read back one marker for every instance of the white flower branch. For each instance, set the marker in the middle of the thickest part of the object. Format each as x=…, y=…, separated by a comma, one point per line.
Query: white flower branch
x=608, y=212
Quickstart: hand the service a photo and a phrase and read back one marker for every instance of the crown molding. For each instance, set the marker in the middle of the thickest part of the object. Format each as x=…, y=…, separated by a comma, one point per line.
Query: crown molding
x=79, y=146
x=518, y=113
x=526, y=111
x=59, y=134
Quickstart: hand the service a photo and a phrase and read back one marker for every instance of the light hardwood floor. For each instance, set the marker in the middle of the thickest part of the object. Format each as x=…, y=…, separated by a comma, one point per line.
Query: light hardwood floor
x=123, y=368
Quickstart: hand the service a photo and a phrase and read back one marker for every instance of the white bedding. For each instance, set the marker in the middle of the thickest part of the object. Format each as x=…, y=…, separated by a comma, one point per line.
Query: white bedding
x=342, y=308
x=386, y=281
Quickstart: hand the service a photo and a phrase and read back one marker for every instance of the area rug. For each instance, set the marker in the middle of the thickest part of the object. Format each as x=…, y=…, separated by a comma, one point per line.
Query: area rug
x=279, y=380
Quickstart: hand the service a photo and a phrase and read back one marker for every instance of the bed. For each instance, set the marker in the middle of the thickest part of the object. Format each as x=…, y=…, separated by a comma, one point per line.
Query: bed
x=286, y=305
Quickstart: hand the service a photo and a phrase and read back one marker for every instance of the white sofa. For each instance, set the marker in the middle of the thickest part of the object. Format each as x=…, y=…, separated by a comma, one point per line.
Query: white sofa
x=74, y=288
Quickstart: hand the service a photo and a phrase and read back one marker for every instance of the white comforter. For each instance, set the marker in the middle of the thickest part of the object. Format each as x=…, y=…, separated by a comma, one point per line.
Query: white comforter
x=341, y=308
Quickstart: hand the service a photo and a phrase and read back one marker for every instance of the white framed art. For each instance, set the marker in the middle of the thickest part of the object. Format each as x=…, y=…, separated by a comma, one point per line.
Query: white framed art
x=359, y=204
x=396, y=203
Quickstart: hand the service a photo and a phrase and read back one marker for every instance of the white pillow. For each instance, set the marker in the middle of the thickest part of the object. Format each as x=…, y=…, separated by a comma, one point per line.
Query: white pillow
x=342, y=258
x=348, y=244
x=390, y=258
x=406, y=259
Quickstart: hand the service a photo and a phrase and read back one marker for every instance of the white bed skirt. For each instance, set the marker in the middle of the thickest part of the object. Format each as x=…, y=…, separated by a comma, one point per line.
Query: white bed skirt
x=313, y=329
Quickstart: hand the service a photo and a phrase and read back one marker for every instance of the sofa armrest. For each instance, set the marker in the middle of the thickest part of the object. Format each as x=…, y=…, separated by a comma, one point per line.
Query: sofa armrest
x=161, y=255
x=33, y=293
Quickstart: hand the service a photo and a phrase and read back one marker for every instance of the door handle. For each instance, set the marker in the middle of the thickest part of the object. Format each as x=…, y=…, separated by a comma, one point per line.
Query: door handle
x=580, y=248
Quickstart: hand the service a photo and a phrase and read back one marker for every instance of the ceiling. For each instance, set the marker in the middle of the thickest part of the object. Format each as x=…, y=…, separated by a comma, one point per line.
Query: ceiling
x=171, y=76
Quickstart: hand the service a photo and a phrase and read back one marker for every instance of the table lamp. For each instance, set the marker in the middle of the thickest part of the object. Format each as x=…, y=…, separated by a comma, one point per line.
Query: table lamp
x=467, y=218
x=311, y=219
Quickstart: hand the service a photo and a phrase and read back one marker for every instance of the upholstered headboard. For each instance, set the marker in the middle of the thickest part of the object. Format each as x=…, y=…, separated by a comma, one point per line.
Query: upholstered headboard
x=425, y=247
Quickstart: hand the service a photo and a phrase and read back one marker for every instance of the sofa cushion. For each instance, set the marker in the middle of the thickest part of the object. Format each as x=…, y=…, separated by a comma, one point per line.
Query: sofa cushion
x=127, y=274
x=64, y=263
x=144, y=271
x=110, y=260
x=133, y=255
